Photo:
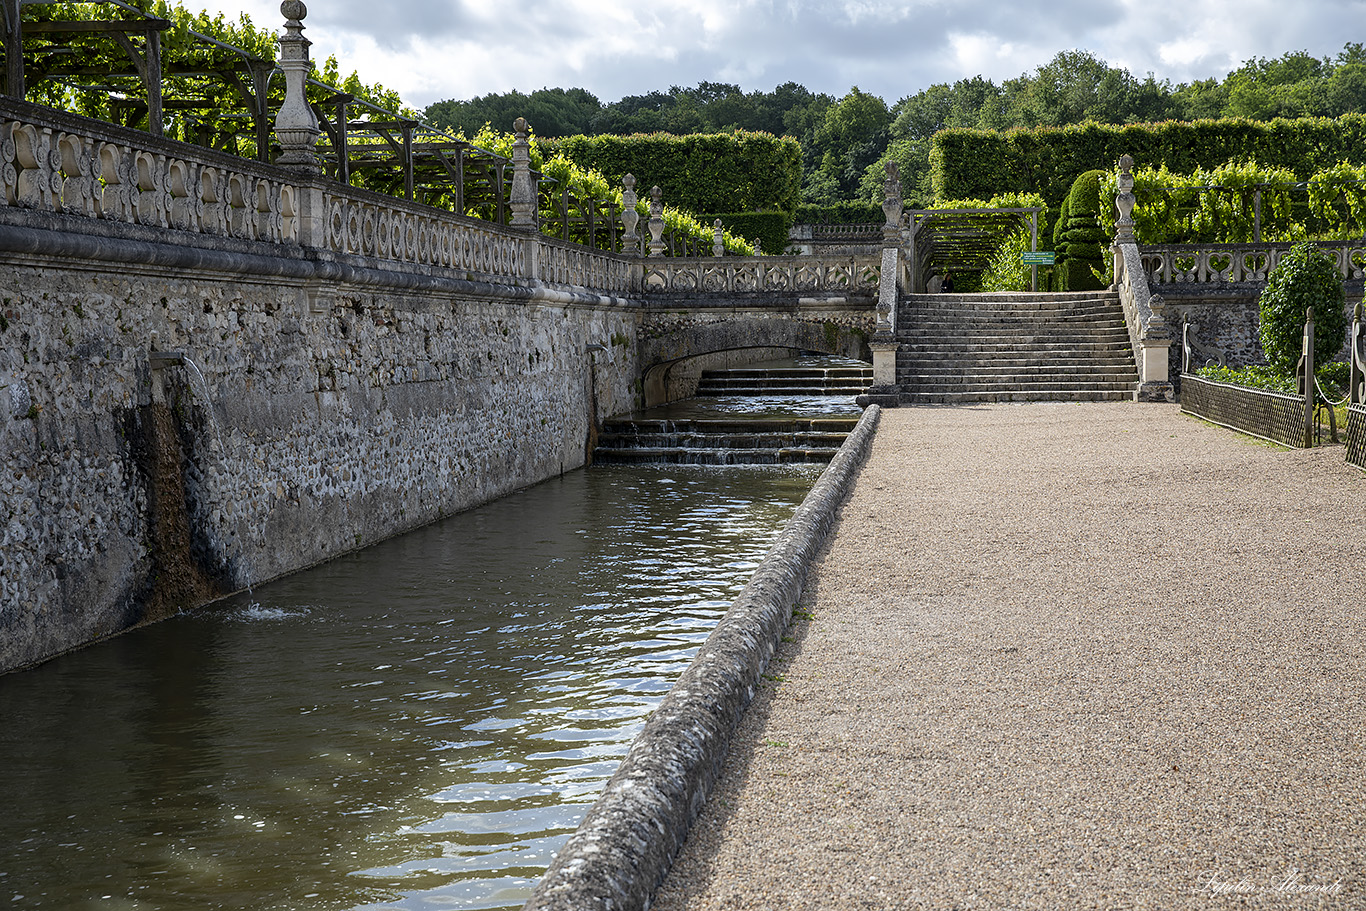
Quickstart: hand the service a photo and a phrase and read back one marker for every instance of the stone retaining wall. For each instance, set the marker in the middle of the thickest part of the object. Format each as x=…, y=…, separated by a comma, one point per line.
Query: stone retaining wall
x=628, y=840
x=321, y=406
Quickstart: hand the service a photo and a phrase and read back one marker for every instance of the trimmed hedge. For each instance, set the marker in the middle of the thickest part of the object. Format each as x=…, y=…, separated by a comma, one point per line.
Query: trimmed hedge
x=979, y=163
x=769, y=228
x=844, y=213
x=717, y=172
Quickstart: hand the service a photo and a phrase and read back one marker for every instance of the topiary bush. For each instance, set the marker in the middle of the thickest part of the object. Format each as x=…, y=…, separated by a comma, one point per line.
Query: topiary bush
x=1084, y=239
x=1305, y=277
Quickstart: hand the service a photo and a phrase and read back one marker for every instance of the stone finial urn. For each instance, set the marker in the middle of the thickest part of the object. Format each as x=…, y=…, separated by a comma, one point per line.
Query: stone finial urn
x=296, y=128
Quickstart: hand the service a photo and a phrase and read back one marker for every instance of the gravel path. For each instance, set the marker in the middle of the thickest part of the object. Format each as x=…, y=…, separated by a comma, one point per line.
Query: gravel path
x=1061, y=656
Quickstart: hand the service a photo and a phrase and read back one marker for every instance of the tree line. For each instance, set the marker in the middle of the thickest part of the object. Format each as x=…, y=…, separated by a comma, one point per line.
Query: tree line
x=847, y=141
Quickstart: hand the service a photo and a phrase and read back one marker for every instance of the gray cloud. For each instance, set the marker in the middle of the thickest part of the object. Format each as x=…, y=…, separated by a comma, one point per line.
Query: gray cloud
x=458, y=48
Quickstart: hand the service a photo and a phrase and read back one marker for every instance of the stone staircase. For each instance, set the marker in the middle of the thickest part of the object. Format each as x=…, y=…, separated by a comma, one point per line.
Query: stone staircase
x=786, y=381
x=761, y=441
x=959, y=348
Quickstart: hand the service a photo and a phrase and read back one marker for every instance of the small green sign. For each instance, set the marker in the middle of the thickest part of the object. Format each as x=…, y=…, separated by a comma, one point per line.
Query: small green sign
x=1042, y=258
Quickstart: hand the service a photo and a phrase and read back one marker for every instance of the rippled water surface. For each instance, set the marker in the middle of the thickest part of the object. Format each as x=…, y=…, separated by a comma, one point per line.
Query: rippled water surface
x=417, y=726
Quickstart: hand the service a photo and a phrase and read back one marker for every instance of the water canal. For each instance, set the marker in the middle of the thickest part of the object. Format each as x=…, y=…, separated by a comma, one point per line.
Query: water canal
x=416, y=726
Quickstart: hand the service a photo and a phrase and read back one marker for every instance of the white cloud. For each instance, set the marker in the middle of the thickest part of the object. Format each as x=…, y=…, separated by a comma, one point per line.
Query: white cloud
x=434, y=49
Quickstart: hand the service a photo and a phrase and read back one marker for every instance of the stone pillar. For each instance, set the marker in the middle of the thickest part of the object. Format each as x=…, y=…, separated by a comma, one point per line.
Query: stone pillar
x=1358, y=359
x=630, y=218
x=523, y=192
x=718, y=242
x=1124, y=203
x=1154, y=344
x=295, y=126
x=656, y=221
x=884, y=344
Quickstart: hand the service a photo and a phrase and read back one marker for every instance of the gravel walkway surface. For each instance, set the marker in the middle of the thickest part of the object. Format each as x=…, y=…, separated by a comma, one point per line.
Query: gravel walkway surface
x=1060, y=656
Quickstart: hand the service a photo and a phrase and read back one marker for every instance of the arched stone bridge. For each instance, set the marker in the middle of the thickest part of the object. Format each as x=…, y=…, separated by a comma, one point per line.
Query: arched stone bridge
x=701, y=313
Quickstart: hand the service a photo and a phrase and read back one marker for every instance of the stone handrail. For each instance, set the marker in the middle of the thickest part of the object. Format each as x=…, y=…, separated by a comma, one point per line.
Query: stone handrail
x=58, y=162
x=1148, y=332
x=1187, y=264
x=848, y=274
x=55, y=162
x=870, y=232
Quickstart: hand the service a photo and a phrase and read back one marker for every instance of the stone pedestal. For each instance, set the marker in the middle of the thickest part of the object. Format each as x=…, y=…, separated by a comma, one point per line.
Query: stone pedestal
x=884, y=362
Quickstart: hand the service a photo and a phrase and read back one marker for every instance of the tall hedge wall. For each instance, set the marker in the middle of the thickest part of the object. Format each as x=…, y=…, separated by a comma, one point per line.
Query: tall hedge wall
x=717, y=172
x=979, y=163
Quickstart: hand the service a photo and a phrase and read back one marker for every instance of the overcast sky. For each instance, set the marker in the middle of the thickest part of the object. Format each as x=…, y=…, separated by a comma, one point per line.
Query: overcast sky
x=430, y=50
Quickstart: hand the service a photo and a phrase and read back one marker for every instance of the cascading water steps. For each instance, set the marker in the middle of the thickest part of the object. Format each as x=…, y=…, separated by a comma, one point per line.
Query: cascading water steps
x=793, y=411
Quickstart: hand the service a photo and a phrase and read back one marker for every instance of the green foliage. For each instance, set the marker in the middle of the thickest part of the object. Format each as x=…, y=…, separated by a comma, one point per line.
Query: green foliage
x=1047, y=161
x=769, y=228
x=1217, y=205
x=1083, y=240
x=705, y=173
x=555, y=112
x=587, y=183
x=1333, y=378
x=202, y=102
x=844, y=213
x=1305, y=277
x=912, y=157
x=1254, y=377
x=1006, y=270
x=852, y=137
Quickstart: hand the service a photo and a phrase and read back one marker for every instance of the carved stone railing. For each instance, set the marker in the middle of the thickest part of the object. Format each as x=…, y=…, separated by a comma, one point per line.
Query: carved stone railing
x=561, y=262
x=823, y=274
x=364, y=223
x=1190, y=264
x=1148, y=332
x=867, y=232
x=59, y=163
x=56, y=162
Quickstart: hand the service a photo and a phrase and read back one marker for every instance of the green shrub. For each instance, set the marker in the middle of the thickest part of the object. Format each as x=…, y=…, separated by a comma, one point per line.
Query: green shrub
x=769, y=228
x=1305, y=277
x=1084, y=239
x=967, y=162
x=1332, y=377
x=844, y=213
x=737, y=172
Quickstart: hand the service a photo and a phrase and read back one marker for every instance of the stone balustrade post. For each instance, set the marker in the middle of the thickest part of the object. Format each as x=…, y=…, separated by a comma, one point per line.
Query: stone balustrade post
x=1358, y=359
x=523, y=192
x=656, y=221
x=1154, y=346
x=1124, y=204
x=296, y=128
x=718, y=244
x=630, y=218
x=884, y=344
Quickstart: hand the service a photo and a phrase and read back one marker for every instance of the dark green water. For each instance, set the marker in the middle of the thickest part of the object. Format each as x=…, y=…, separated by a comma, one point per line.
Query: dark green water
x=417, y=726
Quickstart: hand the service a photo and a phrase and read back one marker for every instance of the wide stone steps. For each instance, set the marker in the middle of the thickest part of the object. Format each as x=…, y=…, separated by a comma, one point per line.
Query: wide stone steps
x=722, y=441
x=786, y=381
x=956, y=349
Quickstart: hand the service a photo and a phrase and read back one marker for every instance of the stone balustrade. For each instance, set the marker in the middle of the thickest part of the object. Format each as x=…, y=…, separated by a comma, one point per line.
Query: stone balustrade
x=824, y=274
x=56, y=162
x=62, y=164
x=1189, y=264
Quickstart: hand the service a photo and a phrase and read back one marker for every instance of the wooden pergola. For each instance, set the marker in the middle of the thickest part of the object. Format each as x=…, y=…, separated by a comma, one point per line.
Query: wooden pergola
x=963, y=240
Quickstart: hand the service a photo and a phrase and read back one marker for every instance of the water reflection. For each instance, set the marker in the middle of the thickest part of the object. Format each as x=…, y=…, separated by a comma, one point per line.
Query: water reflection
x=416, y=726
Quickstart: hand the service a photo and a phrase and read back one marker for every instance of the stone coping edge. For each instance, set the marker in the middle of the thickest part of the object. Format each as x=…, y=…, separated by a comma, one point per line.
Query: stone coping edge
x=624, y=847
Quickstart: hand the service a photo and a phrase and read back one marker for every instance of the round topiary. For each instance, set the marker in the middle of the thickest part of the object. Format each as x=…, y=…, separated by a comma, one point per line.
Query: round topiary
x=1305, y=277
